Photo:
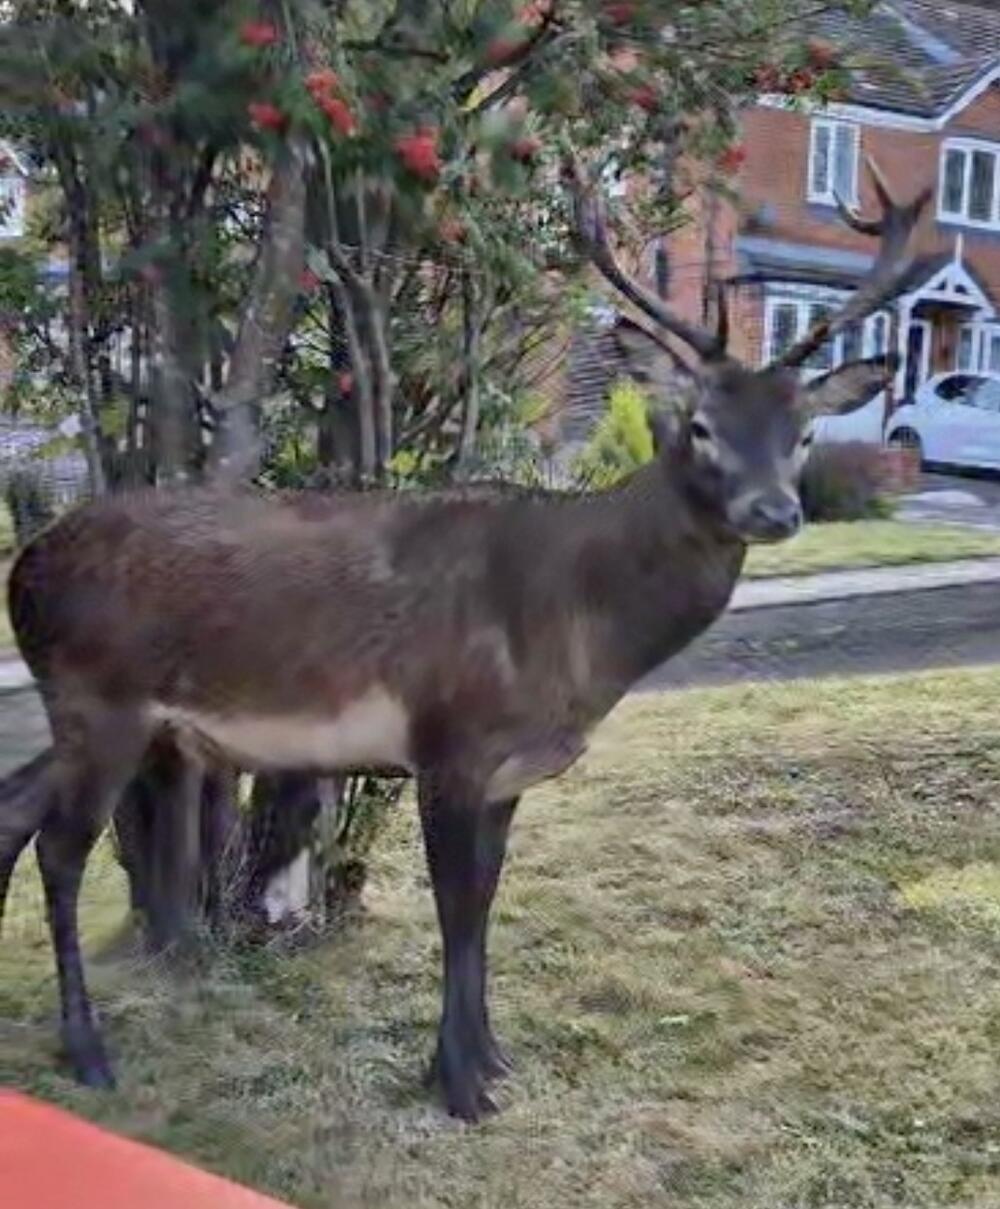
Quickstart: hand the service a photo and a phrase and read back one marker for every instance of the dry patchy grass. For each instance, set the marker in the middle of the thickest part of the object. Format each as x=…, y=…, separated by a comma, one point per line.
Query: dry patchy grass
x=746, y=955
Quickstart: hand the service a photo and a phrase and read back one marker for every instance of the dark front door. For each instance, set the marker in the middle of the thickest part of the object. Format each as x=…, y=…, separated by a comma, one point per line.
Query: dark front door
x=916, y=356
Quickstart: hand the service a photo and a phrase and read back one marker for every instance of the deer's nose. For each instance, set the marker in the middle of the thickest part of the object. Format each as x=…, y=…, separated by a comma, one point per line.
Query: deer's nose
x=773, y=517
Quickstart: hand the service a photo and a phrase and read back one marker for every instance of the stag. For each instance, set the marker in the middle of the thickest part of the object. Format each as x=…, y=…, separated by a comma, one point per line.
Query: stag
x=470, y=639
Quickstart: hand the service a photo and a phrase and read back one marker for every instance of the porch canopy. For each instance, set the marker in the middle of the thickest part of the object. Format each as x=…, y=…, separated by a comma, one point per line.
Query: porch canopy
x=948, y=285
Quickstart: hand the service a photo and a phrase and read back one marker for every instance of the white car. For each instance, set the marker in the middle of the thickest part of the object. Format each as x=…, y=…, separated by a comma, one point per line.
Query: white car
x=864, y=424
x=954, y=420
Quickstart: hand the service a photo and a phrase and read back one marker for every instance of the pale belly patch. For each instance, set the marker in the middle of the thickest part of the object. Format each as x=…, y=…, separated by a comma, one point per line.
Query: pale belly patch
x=538, y=762
x=372, y=731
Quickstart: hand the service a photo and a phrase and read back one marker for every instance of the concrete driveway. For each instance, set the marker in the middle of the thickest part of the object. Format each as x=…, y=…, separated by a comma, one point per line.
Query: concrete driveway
x=954, y=499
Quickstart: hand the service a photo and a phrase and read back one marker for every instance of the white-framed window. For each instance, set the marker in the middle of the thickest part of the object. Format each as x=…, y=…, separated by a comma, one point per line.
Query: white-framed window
x=787, y=318
x=833, y=162
x=13, y=195
x=965, y=350
x=969, y=190
x=978, y=348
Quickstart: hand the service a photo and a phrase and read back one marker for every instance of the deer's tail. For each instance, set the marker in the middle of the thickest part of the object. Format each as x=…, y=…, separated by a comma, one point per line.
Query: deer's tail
x=26, y=797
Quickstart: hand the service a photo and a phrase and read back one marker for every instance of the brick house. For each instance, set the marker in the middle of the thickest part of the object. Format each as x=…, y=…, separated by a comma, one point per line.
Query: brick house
x=933, y=118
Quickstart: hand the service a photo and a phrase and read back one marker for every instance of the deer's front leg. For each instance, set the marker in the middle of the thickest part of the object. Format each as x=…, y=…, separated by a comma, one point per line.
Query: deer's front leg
x=466, y=841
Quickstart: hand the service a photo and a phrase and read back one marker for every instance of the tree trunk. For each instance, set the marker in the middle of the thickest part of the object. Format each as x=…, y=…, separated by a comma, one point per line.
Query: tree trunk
x=84, y=265
x=266, y=320
x=473, y=311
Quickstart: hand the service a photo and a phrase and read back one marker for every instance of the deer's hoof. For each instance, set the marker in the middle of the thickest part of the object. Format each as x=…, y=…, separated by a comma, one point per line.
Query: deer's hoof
x=100, y=1078
x=495, y=1063
x=462, y=1085
x=471, y=1104
x=89, y=1061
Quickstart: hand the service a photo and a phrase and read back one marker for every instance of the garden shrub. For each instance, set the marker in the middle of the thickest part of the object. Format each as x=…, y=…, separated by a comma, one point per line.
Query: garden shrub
x=621, y=441
x=847, y=482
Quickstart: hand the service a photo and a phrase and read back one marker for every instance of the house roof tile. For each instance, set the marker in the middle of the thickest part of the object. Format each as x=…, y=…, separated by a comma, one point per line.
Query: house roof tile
x=914, y=56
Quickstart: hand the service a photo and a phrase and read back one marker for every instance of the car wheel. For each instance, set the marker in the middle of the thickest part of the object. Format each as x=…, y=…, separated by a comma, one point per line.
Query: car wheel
x=906, y=438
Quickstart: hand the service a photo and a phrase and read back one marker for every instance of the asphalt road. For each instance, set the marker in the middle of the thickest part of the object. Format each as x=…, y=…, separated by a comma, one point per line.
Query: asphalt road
x=943, y=627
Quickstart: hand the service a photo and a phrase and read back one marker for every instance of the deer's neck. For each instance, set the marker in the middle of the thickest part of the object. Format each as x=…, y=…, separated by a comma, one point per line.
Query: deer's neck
x=657, y=567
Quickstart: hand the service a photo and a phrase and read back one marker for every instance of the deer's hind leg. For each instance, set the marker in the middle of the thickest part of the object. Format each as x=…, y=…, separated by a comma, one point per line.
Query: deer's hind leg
x=98, y=751
x=26, y=797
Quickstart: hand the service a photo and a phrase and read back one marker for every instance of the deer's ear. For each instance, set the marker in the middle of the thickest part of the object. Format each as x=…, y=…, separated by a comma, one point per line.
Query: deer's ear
x=851, y=386
x=647, y=360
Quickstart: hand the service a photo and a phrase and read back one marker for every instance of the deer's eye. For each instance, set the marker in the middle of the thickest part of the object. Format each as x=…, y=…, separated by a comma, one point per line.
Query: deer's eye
x=807, y=439
x=700, y=431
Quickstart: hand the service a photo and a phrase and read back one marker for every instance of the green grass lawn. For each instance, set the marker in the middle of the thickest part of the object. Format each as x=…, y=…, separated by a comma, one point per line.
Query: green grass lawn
x=6, y=633
x=747, y=956
x=847, y=545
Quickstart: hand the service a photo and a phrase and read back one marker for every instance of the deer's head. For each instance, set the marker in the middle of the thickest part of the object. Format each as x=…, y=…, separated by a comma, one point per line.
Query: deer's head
x=744, y=433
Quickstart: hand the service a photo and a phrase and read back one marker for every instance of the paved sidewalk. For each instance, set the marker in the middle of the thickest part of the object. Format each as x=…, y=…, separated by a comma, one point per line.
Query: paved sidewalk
x=873, y=581
x=13, y=674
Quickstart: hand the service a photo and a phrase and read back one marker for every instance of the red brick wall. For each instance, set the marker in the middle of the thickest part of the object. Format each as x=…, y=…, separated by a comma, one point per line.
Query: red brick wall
x=774, y=180
x=775, y=175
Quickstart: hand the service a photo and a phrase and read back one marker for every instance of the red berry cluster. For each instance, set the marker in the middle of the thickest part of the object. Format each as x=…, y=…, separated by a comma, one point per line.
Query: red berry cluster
x=258, y=34
x=266, y=116
x=620, y=12
x=323, y=86
x=508, y=46
x=419, y=153
x=645, y=96
x=820, y=57
x=732, y=159
x=769, y=77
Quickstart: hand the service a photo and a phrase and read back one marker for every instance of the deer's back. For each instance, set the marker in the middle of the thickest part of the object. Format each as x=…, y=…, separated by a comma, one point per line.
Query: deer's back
x=186, y=595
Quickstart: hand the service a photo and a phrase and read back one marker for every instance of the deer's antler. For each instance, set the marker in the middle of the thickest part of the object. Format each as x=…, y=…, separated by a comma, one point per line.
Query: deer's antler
x=893, y=268
x=592, y=235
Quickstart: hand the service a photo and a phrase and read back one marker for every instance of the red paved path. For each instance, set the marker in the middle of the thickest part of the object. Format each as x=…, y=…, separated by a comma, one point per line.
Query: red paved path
x=50, y=1159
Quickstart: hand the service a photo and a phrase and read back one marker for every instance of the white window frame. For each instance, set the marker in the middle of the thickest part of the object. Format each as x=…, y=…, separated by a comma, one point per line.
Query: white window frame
x=970, y=365
x=804, y=300
x=990, y=338
x=12, y=217
x=983, y=335
x=961, y=215
x=828, y=196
